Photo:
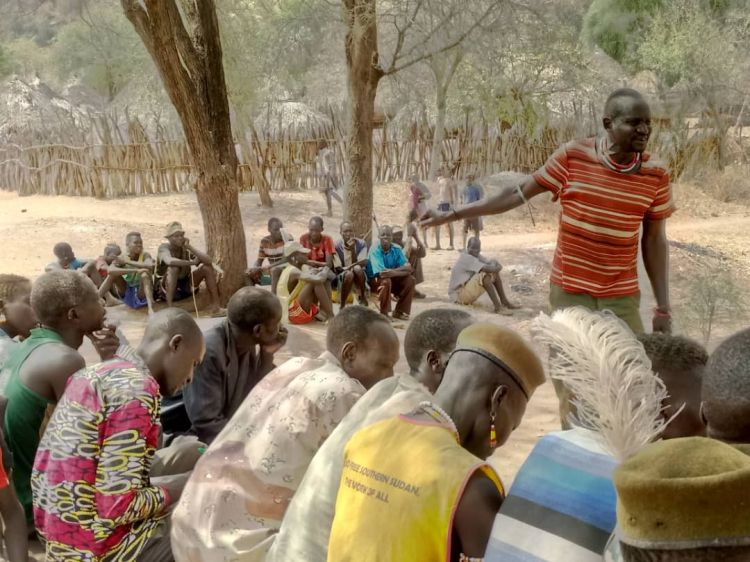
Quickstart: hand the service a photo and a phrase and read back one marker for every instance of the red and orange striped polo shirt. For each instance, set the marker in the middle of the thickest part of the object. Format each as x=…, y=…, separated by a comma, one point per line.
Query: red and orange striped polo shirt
x=602, y=210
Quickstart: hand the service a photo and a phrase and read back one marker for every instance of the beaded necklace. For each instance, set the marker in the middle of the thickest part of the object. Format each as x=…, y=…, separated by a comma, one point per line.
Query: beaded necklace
x=602, y=149
x=439, y=415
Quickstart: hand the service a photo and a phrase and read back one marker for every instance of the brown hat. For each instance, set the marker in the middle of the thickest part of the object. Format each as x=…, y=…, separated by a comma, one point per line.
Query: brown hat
x=173, y=228
x=507, y=349
x=691, y=492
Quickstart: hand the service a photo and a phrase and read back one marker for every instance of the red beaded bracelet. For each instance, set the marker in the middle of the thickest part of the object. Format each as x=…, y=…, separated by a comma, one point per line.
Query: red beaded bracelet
x=660, y=313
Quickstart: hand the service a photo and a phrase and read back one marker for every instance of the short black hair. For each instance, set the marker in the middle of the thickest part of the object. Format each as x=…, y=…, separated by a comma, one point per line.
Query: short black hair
x=676, y=353
x=274, y=220
x=132, y=234
x=14, y=287
x=112, y=248
x=318, y=219
x=437, y=329
x=251, y=306
x=613, y=107
x=728, y=370
x=56, y=292
x=351, y=325
x=60, y=247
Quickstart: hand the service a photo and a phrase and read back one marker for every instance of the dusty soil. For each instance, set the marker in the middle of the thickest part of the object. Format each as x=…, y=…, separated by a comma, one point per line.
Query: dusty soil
x=705, y=234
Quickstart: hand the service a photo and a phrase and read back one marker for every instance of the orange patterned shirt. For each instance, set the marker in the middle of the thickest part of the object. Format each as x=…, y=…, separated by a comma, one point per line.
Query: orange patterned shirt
x=602, y=211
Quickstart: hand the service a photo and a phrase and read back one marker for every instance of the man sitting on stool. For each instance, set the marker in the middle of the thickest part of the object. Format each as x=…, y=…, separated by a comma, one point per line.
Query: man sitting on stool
x=389, y=273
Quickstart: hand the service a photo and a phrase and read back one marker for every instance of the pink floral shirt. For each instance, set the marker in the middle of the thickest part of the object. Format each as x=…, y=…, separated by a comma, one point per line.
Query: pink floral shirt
x=92, y=496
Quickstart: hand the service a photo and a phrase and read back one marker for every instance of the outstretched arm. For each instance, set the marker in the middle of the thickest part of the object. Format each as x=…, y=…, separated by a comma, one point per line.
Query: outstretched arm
x=504, y=201
x=655, y=247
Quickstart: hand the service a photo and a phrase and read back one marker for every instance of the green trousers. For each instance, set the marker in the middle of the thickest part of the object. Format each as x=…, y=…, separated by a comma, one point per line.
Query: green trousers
x=626, y=308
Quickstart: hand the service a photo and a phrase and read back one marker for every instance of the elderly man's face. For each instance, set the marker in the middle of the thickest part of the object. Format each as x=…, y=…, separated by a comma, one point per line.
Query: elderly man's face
x=177, y=239
x=386, y=237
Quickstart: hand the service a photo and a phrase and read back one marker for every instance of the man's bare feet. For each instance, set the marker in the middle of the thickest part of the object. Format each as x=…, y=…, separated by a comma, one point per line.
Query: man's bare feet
x=503, y=311
x=216, y=312
x=400, y=316
x=511, y=306
x=110, y=300
x=436, y=248
x=419, y=295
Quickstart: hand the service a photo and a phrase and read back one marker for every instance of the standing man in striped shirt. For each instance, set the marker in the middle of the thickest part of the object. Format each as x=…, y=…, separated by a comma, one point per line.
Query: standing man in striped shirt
x=607, y=187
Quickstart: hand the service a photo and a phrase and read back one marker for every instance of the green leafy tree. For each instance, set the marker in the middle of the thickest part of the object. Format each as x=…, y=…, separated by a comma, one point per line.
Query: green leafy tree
x=616, y=26
x=103, y=49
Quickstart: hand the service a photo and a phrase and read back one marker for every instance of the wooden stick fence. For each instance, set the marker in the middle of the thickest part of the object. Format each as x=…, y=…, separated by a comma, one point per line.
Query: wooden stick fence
x=140, y=166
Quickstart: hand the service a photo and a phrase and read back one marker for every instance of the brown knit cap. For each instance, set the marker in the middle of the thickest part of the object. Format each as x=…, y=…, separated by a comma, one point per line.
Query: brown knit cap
x=510, y=349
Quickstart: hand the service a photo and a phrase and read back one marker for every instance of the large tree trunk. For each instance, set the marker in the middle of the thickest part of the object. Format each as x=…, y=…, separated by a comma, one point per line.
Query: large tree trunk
x=189, y=59
x=363, y=75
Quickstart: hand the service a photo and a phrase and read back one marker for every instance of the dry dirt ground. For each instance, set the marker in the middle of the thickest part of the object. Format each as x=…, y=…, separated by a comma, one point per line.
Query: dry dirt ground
x=704, y=233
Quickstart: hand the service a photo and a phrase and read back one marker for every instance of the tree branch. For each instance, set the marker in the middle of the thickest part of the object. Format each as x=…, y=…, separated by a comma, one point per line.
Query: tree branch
x=394, y=68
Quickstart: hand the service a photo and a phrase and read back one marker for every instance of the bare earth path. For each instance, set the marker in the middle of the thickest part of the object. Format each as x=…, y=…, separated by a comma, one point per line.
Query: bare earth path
x=30, y=226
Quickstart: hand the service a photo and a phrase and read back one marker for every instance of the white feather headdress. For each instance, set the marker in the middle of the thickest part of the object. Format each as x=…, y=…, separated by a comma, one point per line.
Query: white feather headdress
x=615, y=392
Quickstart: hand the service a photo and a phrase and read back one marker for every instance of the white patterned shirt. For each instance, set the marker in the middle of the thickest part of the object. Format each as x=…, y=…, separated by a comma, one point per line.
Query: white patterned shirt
x=238, y=493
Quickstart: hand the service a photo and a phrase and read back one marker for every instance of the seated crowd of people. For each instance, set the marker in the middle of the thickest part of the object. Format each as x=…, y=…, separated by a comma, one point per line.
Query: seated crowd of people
x=309, y=275
x=314, y=273
x=137, y=280
x=341, y=457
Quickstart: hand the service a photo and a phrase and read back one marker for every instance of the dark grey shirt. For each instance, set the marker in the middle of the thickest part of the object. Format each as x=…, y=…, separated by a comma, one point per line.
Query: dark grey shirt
x=220, y=383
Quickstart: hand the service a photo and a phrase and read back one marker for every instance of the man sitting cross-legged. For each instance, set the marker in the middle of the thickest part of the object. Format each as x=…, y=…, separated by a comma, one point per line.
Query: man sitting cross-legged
x=236, y=497
x=69, y=309
x=239, y=353
x=304, y=287
x=473, y=275
x=66, y=259
x=175, y=277
x=93, y=494
x=131, y=277
x=429, y=341
x=271, y=248
x=350, y=261
x=389, y=273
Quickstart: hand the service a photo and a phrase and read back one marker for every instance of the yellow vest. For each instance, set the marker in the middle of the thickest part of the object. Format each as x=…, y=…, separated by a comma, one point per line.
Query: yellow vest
x=282, y=287
x=401, y=484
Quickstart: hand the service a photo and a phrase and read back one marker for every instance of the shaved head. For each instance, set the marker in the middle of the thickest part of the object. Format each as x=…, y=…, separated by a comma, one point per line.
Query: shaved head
x=726, y=390
x=620, y=101
x=170, y=322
